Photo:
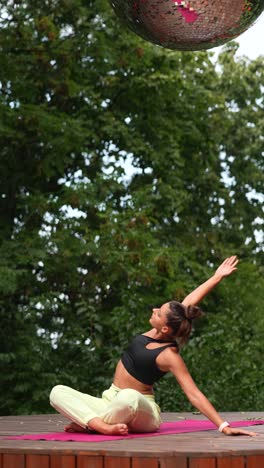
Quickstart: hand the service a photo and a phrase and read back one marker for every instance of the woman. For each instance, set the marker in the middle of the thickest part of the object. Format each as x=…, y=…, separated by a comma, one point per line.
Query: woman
x=129, y=404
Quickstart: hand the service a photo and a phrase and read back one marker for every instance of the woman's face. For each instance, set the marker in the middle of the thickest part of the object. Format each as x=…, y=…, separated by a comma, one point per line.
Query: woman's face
x=158, y=318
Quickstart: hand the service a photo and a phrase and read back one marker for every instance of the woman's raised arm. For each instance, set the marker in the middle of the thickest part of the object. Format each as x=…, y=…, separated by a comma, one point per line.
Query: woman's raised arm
x=225, y=269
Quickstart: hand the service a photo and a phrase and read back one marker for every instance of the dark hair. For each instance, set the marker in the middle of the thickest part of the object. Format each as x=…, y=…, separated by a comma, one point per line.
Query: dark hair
x=179, y=319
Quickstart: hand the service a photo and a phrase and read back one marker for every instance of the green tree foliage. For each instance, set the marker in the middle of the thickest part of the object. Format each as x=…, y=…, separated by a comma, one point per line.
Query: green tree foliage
x=88, y=246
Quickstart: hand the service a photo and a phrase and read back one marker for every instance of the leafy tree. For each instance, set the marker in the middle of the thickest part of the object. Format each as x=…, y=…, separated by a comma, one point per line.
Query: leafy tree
x=87, y=250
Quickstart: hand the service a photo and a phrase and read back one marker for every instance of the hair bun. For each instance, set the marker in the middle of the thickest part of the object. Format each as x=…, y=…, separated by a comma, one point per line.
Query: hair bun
x=192, y=312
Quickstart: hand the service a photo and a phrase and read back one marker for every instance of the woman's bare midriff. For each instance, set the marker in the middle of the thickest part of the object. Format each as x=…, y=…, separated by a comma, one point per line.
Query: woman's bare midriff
x=123, y=379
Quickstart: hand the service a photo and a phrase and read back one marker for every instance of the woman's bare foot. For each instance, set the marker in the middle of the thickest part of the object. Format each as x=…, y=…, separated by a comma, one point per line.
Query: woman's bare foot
x=118, y=429
x=73, y=427
x=98, y=425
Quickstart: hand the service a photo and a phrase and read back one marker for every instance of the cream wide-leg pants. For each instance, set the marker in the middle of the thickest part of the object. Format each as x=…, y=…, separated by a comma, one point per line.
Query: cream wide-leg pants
x=127, y=406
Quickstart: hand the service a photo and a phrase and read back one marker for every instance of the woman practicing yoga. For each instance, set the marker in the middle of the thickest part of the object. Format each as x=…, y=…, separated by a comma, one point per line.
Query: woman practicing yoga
x=129, y=404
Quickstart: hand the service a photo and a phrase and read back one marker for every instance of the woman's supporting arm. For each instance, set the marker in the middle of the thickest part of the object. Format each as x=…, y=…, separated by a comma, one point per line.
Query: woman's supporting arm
x=197, y=398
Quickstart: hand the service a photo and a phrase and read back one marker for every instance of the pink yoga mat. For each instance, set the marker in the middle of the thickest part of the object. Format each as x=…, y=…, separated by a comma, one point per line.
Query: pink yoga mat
x=177, y=427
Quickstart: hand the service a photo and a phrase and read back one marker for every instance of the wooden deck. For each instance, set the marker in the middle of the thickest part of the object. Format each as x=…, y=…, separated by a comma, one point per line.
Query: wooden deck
x=208, y=449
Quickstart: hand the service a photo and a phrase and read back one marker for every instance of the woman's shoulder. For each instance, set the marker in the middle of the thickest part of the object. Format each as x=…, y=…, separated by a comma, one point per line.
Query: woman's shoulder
x=168, y=358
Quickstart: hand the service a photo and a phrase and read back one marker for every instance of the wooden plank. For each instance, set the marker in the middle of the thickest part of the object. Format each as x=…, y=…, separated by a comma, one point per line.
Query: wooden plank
x=87, y=461
x=37, y=461
x=117, y=462
x=144, y=462
x=255, y=461
x=165, y=448
x=202, y=463
x=13, y=461
x=173, y=462
x=62, y=461
x=230, y=462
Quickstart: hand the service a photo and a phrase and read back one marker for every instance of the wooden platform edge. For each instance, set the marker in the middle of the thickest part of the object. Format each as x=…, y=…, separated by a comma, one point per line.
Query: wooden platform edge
x=98, y=461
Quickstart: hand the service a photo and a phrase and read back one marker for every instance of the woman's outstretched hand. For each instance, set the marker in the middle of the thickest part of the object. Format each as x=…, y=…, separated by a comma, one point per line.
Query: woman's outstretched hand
x=227, y=267
x=232, y=431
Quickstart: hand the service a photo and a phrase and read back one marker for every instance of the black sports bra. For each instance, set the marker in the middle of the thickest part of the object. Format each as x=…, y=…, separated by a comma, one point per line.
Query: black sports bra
x=140, y=362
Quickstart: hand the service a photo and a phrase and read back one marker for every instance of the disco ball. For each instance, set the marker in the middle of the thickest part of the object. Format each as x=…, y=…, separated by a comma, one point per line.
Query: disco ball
x=188, y=25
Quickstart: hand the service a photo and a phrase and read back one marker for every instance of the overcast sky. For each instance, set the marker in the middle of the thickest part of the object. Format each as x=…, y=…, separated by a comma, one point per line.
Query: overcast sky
x=252, y=41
